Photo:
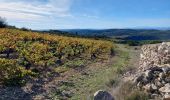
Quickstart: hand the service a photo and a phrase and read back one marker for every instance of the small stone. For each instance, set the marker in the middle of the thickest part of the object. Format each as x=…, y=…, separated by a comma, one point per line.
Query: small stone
x=166, y=69
x=159, y=84
x=148, y=76
x=154, y=95
x=156, y=68
x=148, y=73
x=167, y=79
x=159, y=79
x=139, y=85
x=147, y=87
x=154, y=87
x=67, y=94
x=139, y=78
x=161, y=75
x=163, y=82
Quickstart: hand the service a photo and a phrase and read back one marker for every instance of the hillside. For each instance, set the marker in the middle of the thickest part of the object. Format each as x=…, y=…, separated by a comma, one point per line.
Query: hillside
x=29, y=49
x=30, y=60
x=37, y=65
x=84, y=50
x=124, y=34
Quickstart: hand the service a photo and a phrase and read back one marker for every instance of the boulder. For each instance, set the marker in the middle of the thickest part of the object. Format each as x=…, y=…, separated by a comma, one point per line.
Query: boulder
x=103, y=95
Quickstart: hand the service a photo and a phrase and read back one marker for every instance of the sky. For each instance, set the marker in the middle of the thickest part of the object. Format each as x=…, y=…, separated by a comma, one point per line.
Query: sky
x=85, y=14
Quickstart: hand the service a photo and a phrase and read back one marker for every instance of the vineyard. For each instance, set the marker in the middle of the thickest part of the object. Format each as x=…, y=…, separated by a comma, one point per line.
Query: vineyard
x=25, y=53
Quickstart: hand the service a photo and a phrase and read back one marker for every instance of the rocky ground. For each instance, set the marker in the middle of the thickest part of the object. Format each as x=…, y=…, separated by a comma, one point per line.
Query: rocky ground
x=154, y=71
x=156, y=81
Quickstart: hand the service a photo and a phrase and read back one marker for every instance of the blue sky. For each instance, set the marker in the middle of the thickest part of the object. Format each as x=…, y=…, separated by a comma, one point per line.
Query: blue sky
x=94, y=14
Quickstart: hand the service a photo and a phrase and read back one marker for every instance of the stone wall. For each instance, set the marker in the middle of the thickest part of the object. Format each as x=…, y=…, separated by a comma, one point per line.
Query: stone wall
x=154, y=71
x=157, y=54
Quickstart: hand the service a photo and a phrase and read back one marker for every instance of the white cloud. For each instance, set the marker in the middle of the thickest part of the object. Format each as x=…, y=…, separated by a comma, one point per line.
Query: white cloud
x=34, y=10
x=19, y=15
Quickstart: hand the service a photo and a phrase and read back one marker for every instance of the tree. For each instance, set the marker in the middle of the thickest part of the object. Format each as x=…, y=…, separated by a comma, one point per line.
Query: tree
x=3, y=23
x=25, y=29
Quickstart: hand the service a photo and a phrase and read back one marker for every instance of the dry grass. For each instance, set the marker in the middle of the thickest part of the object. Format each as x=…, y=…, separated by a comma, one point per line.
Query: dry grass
x=128, y=91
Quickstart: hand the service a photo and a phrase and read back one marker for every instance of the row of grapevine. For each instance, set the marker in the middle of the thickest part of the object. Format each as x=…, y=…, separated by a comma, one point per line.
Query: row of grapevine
x=34, y=49
x=11, y=73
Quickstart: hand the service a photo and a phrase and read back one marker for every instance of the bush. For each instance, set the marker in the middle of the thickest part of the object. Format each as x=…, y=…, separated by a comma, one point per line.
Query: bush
x=11, y=74
x=137, y=95
x=128, y=91
x=138, y=43
x=3, y=23
x=25, y=29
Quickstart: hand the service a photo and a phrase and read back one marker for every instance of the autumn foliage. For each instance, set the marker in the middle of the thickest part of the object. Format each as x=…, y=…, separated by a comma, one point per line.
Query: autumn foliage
x=26, y=49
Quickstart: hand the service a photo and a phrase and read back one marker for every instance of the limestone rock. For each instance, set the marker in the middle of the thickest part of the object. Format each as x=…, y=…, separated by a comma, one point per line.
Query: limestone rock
x=148, y=74
x=166, y=69
x=165, y=89
x=161, y=75
x=154, y=87
x=147, y=87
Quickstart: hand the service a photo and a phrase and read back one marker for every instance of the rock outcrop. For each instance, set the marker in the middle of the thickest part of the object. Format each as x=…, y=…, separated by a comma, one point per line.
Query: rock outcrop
x=154, y=71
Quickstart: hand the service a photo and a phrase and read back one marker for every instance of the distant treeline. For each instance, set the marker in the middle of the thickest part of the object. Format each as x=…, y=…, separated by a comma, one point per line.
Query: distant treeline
x=128, y=36
x=124, y=34
x=4, y=24
x=138, y=43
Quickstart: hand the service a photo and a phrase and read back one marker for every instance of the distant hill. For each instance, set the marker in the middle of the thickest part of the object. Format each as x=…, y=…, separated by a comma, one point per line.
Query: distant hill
x=125, y=34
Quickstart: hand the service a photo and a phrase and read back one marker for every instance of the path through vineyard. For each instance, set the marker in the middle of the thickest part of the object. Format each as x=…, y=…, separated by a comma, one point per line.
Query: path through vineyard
x=99, y=75
x=77, y=83
x=122, y=90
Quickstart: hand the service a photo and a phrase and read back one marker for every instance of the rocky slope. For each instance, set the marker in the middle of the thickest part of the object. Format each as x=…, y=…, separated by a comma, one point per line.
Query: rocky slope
x=154, y=71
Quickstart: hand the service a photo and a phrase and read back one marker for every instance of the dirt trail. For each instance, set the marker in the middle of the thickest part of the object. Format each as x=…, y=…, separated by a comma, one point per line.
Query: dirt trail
x=133, y=64
x=119, y=91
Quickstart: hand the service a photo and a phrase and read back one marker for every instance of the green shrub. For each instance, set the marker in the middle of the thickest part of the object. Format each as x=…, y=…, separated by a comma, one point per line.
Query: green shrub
x=137, y=95
x=128, y=91
x=11, y=74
